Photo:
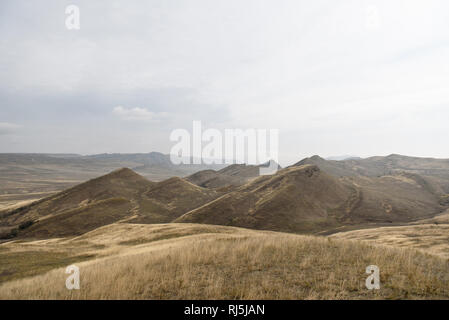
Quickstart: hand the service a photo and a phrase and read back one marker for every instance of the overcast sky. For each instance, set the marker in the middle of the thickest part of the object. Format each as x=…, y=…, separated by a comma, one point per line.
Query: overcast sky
x=335, y=77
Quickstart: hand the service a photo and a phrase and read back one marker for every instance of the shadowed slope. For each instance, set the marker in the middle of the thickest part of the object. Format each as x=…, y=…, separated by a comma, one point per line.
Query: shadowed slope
x=122, y=183
x=304, y=198
x=230, y=176
x=169, y=199
x=121, y=194
x=82, y=208
x=436, y=171
x=295, y=199
x=401, y=197
x=213, y=180
x=389, y=189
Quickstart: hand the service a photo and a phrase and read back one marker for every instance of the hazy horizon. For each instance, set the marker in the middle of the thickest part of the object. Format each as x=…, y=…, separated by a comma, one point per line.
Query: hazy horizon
x=282, y=163
x=355, y=77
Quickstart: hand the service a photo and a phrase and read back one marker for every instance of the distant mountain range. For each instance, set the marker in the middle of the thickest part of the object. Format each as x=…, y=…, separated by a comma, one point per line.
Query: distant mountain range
x=31, y=176
x=141, y=162
x=345, y=157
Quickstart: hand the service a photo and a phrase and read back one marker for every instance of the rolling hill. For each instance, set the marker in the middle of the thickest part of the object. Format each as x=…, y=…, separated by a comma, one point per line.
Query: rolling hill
x=296, y=199
x=436, y=171
x=188, y=261
x=302, y=199
x=229, y=177
x=429, y=236
x=29, y=177
x=79, y=209
x=169, y=199
x=119, y=195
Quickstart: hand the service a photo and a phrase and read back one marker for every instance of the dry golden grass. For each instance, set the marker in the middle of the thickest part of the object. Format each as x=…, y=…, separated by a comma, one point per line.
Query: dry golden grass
x=212, y=262
x=12, y=203
x=429, y=238
x=21, y=258
x=442, y=218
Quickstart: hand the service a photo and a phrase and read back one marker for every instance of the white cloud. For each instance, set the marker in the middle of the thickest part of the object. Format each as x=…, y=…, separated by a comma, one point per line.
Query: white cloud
x=7, y=128
x=138, y=114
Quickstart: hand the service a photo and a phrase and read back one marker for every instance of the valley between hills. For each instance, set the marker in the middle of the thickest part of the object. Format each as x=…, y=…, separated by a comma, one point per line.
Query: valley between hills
x=148, y=230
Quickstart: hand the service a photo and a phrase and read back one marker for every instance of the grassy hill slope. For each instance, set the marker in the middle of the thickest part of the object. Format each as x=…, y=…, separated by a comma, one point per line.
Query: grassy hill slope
x=187, y=261
x=295, y=199
x=169, y=199
x=305, y=198
x=430, y=236
x=435, y=171
x=121, y=195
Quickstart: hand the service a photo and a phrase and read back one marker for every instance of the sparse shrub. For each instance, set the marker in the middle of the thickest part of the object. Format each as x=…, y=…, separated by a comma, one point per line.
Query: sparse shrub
x=26, y=224
x=11, y=234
